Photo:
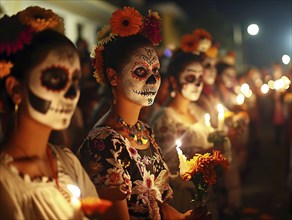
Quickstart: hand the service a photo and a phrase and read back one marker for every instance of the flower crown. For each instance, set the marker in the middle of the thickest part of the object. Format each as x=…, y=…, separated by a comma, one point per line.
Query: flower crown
x=123, y=23
x=190, y=42
x=20, y=28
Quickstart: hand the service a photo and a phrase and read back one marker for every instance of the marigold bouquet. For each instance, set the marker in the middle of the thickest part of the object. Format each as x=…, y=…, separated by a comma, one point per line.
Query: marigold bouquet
x=203, y=170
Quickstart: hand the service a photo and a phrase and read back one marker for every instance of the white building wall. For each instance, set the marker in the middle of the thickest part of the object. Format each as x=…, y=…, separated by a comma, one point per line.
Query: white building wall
x=70, y=16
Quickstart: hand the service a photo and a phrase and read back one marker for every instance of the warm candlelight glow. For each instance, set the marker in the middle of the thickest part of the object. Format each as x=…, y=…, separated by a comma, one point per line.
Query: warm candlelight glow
x=240, y=99
x=207, y=120
x=182, y=158
x=220, y=116
x=178, y=143
x=265, y=88
x=75, y=191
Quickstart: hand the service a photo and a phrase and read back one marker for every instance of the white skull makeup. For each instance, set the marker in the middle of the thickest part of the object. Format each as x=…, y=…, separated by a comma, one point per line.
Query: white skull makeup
x=141, y=78
x=210, y=71
x=191, y=81
x=229, y=77
x=53, y=88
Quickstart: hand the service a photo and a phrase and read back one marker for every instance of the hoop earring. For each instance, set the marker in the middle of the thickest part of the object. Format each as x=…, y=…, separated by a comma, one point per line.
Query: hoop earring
x=15, y=117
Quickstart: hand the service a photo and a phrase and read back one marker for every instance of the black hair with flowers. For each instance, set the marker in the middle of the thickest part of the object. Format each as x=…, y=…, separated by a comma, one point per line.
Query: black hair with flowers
x=127, y=27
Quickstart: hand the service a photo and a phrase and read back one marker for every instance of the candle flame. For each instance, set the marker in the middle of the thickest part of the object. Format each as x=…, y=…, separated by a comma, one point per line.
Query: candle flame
x=74, y=190
x=178, y=143
x=220, y=108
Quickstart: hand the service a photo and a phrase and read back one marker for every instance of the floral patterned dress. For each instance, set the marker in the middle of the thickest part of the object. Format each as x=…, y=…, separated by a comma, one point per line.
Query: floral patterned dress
x=142, y=175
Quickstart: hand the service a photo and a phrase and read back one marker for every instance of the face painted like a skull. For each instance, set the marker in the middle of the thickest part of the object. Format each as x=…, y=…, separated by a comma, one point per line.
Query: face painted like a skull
x=53, y=88
x=229, y=77
x=210, y=71
x=141, y=77
x=191, y=81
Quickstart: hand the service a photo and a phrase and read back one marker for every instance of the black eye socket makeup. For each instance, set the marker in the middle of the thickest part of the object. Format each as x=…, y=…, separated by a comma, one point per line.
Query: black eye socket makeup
x=208, y=65
x=140, y=72
x=55, y=78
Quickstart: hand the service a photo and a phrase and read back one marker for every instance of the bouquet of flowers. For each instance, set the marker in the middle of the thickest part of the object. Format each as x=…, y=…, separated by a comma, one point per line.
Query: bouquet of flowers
x=203, y=170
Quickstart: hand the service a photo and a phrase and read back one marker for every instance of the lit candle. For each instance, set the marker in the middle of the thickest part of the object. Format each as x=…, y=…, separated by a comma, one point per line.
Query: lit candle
x=75, y=202
x=182, y=158
x=207, y=120
x=220, y=116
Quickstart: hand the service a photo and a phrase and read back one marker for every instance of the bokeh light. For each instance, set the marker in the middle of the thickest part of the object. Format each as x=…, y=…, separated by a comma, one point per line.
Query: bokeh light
x=253, y=29
x=286, y=59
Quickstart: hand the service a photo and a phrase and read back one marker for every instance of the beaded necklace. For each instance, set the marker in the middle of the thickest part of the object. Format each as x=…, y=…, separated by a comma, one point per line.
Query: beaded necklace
x=137, y=132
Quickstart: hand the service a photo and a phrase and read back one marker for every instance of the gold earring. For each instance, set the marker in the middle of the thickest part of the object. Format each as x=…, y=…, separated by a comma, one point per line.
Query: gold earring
x=15, y=116
x=172, y=94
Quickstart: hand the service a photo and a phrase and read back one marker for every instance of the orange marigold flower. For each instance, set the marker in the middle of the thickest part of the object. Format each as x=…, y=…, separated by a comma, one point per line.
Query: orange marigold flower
x=97, y=62
x=126, y=22
x=40, y=19
x=212, y=52
x=5, y=68
x=220, y=159
x=189, y=43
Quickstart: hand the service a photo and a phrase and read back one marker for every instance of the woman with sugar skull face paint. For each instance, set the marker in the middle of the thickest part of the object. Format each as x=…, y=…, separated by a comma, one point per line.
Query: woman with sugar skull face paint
x=120, y=153
x=182, y=120
x=39, y=81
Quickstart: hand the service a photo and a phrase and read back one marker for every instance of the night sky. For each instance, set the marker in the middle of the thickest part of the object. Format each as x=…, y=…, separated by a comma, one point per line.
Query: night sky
x=274, y=19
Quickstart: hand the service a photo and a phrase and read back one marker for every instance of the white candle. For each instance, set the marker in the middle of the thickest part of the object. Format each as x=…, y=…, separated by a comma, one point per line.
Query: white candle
x=182, y=158
x=75, y=201
x=207, y=120
x=220, y=116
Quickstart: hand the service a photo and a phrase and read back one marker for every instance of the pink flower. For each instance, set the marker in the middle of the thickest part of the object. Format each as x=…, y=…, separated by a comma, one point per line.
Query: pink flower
x=151, y=29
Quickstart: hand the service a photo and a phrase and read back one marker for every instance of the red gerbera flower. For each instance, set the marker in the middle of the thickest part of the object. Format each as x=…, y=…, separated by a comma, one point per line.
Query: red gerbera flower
x=126, y=22
x=189, y=43
x=40, y=19
x=201, y=34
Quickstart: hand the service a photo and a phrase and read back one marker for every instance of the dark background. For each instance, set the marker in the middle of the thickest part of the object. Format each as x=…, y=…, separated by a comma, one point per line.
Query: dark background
x=274, y=18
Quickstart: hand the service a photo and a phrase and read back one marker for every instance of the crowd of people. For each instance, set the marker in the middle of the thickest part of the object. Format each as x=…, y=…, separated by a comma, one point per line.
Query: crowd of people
x=107, y=123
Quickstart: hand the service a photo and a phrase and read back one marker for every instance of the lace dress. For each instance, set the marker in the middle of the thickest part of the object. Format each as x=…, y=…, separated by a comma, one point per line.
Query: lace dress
x=22, y=197
x=142, y=175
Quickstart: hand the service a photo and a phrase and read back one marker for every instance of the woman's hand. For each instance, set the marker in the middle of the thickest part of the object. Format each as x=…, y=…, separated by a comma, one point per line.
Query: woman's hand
x=168, y=213
x=199, y=214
